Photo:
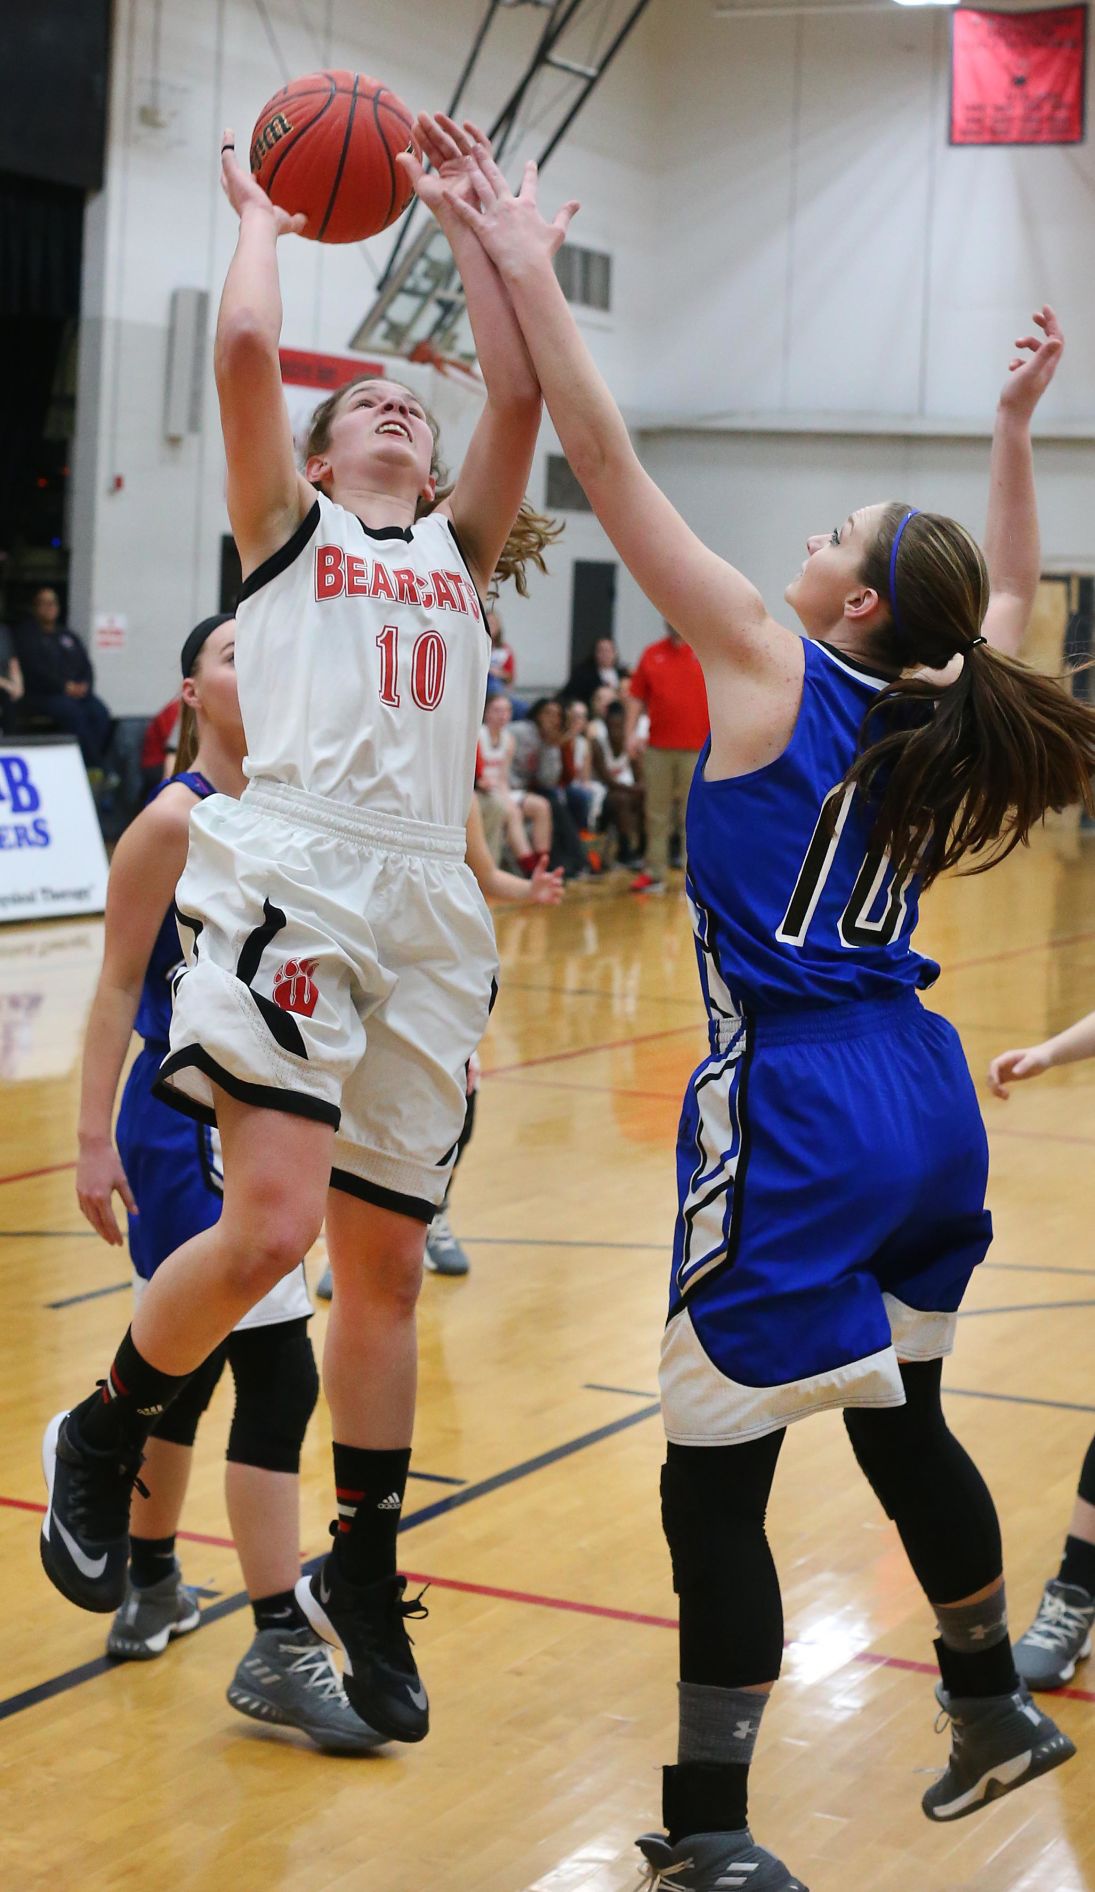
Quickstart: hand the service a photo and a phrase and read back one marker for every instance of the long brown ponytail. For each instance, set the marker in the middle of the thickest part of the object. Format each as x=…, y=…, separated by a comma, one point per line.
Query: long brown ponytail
x=529, y=536
x=968, y=767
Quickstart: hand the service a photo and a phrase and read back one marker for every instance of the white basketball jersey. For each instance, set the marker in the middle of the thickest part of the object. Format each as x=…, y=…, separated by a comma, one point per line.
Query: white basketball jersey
x=362, y=659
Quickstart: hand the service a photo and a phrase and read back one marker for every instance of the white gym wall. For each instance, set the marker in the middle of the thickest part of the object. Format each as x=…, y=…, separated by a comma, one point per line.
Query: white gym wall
x=798, y=258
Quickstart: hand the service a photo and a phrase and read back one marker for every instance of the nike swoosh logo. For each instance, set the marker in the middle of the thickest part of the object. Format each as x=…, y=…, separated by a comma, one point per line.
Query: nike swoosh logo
x=417, y=1695
x=324, y=1592
x=90, y=1566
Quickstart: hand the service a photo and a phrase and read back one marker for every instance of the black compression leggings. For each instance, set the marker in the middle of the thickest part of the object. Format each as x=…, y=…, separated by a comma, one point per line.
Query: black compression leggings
x=714, y=1501
x=277, y=1387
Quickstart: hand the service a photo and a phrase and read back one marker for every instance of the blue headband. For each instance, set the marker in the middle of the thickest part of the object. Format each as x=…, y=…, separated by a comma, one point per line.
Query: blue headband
x=894, y=549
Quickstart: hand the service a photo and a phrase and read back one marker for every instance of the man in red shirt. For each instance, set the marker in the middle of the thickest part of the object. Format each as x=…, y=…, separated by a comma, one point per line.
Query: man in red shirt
x=669, y=685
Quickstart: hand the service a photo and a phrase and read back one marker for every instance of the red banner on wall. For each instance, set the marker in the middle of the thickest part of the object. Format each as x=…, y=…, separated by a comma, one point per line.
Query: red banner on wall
x=1018, y=78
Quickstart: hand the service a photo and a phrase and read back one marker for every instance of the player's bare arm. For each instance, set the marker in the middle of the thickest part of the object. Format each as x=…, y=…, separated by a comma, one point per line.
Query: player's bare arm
x=1012, y=547
x=144, y=873
x=713, y=605
x=267, y=495
x=492, y=480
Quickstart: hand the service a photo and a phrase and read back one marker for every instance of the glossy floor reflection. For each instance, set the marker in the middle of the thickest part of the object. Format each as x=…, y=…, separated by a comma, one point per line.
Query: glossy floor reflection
x=549, y=1651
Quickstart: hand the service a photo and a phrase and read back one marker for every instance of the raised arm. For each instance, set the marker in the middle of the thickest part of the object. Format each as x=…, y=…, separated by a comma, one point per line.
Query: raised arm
x=267, y=496
x=1013, y=550
x=144, y=873
x=712, y=605
x=491, y=483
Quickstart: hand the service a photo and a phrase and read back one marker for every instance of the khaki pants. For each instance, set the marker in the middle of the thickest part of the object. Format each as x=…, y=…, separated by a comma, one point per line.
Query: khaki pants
x=667, y=774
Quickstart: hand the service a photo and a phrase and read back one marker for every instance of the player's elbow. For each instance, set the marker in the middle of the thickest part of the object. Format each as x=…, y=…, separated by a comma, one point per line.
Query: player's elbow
x=243, y=337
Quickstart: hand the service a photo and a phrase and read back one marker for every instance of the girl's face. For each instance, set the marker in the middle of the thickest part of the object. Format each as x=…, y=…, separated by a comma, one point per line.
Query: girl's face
x=497, y=714
x=211, y=691
x=550, y=723
x=603, y=695
x=577, y=719
x=830, y=588
x=380, y=433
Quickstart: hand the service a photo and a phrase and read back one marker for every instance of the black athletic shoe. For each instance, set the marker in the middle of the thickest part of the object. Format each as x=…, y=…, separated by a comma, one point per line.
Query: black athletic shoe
x=85, y=1532
x=365, y=1621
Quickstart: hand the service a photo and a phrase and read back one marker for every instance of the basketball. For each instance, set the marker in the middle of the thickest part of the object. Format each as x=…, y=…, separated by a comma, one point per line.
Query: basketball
x=326, y=145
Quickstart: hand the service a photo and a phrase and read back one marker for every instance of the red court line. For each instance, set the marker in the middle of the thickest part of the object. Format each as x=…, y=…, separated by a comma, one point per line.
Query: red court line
x=573, y=1607
x=604, y=1090
x=192, y=1537
x=611, y=1044
x=1019, y=952
x=50, y=1169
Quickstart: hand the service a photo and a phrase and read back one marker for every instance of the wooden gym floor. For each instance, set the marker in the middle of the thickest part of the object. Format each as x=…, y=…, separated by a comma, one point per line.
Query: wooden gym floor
x=550, y=1649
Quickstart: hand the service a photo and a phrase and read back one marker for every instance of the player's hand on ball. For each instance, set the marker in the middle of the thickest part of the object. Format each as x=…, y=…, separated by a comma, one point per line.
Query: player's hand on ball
x=1012, y=1066
x=511, y=229
x=99, y=1173
x=450, y=148
x=245, y=192
x=1033, y=368
x=545, y=889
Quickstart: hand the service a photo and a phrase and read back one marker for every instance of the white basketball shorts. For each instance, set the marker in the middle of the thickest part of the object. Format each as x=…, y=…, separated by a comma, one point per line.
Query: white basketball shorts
x=341, y=966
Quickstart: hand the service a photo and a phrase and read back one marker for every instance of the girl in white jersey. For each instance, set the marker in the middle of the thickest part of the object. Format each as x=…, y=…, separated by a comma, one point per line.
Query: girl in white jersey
x=341, y=957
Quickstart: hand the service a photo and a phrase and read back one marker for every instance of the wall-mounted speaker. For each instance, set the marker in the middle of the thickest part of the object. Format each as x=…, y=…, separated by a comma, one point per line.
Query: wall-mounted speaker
x=186, y=344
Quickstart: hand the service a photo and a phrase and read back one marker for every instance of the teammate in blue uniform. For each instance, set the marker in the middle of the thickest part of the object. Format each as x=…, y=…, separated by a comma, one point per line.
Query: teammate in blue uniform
x=167, y=1172
x=831, y=1156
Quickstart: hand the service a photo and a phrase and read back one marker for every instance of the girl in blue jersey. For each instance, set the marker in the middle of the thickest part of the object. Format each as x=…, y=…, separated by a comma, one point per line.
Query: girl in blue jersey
x=831, y=1156
x=167, y=1171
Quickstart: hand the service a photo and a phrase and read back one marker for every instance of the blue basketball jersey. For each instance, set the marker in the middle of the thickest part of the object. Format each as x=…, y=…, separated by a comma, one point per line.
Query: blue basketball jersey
x=791, y=903
x=153, y=1021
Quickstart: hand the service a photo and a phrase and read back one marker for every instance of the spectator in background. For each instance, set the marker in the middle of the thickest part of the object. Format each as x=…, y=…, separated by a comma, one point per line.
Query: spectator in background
x=604, y=667
x=161, y=744
x=582, y=791
x=668, y=683
x=11, y=679
x=538, y=765
x=493, y=761
x=620, y=774
x=58, y=678
x=503, y=663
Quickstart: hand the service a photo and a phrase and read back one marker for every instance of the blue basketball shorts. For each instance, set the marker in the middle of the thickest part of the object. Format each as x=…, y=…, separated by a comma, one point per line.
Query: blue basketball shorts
x=173, y=1167
x=831, y=1168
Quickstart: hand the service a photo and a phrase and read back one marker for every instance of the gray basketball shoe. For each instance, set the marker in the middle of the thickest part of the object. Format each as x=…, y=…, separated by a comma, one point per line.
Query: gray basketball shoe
x=1058, y=1638
x=149, y=1618
x=998, y=1743
x=713, y=1862
x=444, y=1254
x=288, y=1677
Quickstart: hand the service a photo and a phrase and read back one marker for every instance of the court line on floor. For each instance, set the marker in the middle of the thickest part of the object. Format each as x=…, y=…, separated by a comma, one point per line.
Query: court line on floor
x=588, y=1051
x=1018, y=952
x=100, y=1665
x=1027, y=1307
x=48, y=1169
x=50, y=1234
x=89, y=1294
x=960, y=1392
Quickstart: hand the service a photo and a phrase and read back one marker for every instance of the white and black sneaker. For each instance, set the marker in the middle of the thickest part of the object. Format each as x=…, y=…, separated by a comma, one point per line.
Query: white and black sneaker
x=288, y=1678
x=444, y=1254
x=366, y=1621
x=713, y=1862
x=998, y=1743
x=152, y=1617
x=1058, y=1638
x=85, y=1532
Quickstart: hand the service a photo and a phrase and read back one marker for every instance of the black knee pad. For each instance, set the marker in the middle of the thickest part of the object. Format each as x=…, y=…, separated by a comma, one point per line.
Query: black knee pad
x=179, y=1425
x=1087, y=1476
x=277, y=1386
x=714, y=1498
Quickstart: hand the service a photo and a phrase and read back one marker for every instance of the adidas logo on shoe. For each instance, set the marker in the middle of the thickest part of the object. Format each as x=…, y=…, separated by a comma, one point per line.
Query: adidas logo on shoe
x=392, y=1503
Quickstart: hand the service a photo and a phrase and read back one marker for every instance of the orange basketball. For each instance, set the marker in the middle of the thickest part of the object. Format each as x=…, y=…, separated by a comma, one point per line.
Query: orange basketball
x=326, y=144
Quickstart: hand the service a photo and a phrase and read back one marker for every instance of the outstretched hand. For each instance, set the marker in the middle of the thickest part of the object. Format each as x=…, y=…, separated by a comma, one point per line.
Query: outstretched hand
x=1010, y=1067
x=244, y=192
x=1033, y=368
x=511, y=229
x=450, y=148
x=545, y=889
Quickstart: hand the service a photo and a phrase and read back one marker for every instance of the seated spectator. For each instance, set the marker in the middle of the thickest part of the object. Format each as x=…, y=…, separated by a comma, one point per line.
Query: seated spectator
x=620, y=773
x=538, y=764
x=58, y=678
x=603, y=667
x=583, y=791
x=494, y=758
x=11, y=680
x=602, y=696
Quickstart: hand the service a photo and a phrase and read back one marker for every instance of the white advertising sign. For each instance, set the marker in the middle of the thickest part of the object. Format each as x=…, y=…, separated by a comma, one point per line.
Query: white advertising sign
x=52, y=859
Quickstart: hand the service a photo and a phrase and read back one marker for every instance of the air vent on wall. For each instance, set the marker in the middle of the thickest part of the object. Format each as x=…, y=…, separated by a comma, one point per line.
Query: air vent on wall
x=586, y=276
x=563, y=491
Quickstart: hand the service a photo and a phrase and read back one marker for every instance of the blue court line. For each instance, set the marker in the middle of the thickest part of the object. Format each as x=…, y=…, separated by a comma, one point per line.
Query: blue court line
x=99, y=1665
x=538, y=1241
x=92, y=1294
x=436, y=1478
x=1015, y=1399
x=631, y=1392
x=1027, y=1307
x=49, y=1234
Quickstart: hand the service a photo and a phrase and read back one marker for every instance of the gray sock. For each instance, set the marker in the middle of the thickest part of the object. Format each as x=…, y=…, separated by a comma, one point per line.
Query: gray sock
x=718, y=1725
x=970, y=1627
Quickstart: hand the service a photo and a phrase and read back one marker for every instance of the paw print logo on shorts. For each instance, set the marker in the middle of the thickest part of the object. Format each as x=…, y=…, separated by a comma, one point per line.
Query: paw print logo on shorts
x=295, y=990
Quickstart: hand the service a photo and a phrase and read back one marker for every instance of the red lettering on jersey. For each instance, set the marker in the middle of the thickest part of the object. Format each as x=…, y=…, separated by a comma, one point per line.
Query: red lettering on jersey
x=330, y=572
x=467, y=592
x=357, y=576
x=444, y=595
x=406, y=585
x=382, y=586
